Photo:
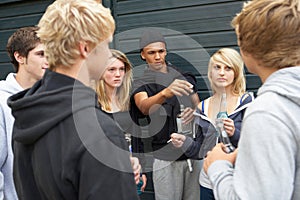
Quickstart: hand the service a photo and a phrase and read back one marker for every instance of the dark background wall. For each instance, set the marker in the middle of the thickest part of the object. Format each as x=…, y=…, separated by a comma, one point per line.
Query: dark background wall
x=193, y=30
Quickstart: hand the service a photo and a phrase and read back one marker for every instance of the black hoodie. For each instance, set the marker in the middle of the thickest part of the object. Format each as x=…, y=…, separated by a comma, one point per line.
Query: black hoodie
x=65, y=147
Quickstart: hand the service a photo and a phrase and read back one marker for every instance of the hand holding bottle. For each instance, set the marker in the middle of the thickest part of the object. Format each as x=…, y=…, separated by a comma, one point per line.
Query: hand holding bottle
x=187, y=115
x=222, y=132
x=229, y=126
x=217, y=153
x=183, y=126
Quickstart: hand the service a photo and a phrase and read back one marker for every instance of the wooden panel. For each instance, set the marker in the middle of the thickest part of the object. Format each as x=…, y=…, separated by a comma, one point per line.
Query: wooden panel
x=20, y=21
x=140, y=6
x=215, y=39
x=177, y=15
x=4, y=57
x=23, y=8
x=4, y=35
x=5, y=69
x=8, y=1
x=252, y=82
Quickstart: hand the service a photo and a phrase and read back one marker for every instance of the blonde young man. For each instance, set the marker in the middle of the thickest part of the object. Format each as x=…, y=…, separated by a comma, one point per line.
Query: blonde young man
x=267, y=163
x=64, y=146
x=26, y=53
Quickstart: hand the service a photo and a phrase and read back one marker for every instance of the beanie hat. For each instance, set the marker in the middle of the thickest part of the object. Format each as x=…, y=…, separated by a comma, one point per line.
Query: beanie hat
x=150, y=36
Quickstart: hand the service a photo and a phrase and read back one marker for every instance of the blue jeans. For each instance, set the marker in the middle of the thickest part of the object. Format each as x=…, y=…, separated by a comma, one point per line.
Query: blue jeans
x=206, y=193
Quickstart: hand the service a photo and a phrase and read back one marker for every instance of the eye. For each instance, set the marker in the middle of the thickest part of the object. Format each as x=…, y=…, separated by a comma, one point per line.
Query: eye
x=162, y=51
x=227, y=68
x=217, y=67
x=151, y=52
x=40, y=53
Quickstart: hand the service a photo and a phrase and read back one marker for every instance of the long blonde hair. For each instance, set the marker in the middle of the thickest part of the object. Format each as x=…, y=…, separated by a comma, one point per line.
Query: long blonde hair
x=123, y=91
x=232, y=58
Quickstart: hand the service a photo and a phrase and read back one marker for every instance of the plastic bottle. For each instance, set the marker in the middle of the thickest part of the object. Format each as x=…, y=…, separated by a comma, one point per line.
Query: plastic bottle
x=185, y=129
x=220, y=125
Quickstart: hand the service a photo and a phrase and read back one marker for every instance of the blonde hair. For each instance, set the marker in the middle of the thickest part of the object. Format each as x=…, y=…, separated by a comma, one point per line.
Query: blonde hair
x=231, y=58
x=269, y=30
x=123, y=91
x=66, y=23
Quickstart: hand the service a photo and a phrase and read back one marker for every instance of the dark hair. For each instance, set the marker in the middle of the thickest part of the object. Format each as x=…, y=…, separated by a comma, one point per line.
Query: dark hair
x=21, y=41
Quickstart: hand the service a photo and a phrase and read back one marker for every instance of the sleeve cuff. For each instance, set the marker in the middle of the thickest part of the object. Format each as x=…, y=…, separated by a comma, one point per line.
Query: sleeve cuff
x=186, y=144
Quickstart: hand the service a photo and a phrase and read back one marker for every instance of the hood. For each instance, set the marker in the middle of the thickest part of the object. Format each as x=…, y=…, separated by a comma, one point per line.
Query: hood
x=285, y=82
x=10, y=85
x=46, y=104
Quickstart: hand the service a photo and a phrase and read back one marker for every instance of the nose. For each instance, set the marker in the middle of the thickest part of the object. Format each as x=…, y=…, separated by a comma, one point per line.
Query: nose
x=46, y=64
x=221, y=71
x=157, y=56
x=117, y=72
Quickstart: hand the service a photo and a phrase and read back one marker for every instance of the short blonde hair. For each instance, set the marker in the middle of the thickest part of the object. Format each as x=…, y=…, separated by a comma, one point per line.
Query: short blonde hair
x=123, y=92
x=66, y=23
x=231, y=58
x=269, y=30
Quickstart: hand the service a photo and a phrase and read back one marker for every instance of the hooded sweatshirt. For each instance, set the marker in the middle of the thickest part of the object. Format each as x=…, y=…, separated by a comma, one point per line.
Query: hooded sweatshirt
x=268, y=159
x=65, y=147
x=7, y=88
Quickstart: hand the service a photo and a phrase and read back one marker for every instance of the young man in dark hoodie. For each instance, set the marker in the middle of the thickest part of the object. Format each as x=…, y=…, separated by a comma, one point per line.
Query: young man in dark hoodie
x=64, y=146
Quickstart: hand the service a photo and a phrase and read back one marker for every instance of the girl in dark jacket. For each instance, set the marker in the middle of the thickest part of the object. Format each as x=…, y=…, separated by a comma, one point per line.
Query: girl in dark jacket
x=226, y=75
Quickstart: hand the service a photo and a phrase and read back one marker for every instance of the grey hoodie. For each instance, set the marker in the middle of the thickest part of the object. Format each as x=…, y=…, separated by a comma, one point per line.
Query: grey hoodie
x=268, y=160
x=7, y=88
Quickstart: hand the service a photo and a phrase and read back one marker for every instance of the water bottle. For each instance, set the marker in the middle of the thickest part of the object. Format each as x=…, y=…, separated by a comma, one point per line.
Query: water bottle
x=220, y=125
x=185, y=129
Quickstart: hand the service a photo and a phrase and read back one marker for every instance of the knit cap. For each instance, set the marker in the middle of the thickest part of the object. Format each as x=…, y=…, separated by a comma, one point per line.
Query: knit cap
x=150, y=36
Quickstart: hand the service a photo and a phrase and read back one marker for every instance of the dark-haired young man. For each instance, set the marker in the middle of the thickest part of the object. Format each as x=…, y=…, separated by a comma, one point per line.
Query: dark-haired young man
x=26, y=53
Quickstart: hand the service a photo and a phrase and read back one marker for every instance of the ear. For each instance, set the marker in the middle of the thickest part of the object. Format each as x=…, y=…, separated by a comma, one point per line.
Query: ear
x=142, y=55
x=20, y=59
x=84, y=49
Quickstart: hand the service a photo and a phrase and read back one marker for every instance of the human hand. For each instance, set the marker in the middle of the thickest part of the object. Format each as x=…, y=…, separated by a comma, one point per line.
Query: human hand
x=187, y=115
x=217, y=153
x=136, y=167
x=229, y=126
x=177, y=139
x=144, y=179
x=179, y=88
